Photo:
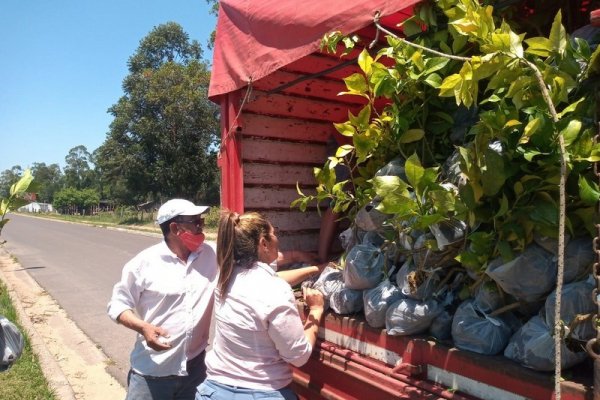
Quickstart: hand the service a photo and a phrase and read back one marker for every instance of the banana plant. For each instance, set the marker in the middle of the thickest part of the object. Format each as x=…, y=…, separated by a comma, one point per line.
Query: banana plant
x=15, y=198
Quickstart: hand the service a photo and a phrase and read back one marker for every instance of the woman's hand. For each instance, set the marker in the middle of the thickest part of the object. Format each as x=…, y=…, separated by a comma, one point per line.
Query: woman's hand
x=313, y=298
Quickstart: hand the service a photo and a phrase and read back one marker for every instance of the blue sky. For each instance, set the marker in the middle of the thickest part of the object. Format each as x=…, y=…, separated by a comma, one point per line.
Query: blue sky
x=62, y=66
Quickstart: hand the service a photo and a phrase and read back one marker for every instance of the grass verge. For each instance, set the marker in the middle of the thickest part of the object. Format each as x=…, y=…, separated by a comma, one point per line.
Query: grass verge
x=24, y=380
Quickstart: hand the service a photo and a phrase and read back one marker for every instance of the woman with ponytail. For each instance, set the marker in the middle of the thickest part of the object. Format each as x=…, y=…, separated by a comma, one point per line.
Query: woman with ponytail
x=258, y=331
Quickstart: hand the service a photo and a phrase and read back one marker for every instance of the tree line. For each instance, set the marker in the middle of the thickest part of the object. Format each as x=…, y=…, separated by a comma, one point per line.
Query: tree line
x=163, y=140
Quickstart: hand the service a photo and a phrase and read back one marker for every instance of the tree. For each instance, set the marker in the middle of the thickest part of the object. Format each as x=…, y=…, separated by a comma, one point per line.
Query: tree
x=164, y=136
x=214, y=10
x=48, y=178
x=78, y=172
x=8, y=177
x=71, y=200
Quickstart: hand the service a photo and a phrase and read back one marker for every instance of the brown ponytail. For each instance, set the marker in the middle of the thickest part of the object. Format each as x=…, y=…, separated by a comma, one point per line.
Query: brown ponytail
x=237, y=243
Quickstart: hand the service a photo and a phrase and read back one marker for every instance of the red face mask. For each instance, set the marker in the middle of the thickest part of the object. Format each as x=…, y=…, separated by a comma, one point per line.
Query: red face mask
x=191, y=241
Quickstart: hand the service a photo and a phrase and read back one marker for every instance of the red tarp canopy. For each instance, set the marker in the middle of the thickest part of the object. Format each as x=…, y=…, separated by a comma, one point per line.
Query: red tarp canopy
x=257, y=37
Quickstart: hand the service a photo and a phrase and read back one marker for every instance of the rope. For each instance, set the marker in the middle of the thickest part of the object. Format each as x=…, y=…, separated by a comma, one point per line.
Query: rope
x=230, y=133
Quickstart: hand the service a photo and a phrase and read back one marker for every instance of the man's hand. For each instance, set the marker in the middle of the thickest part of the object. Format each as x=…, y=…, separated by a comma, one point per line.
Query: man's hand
x=156, y=337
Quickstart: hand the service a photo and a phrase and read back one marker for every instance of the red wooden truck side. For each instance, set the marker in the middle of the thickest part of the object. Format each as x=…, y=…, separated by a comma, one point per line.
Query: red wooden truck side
x=275, y=126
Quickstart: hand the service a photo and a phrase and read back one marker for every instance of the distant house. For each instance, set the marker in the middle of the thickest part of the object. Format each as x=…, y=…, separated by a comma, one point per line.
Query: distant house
x=35, y=207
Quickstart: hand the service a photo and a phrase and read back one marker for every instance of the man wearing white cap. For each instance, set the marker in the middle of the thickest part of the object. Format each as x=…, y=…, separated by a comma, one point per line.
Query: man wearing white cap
x=166, y=295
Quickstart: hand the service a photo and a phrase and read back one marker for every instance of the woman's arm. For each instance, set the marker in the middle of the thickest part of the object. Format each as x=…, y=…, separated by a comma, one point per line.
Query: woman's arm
x=315, y=302
x=298, y=275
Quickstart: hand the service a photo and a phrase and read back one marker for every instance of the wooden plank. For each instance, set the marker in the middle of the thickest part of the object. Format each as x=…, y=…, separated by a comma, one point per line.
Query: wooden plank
x=301, y=242
x=294, y=220
x=296, y=107
x=276, y=174
x=266, y=198
x=286, y=128
x=255, y=149
x=316, y=63
x=314, y=88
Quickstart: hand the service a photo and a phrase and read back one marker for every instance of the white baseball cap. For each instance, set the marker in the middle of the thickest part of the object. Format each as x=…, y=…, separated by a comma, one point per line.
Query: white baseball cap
x=175, y=207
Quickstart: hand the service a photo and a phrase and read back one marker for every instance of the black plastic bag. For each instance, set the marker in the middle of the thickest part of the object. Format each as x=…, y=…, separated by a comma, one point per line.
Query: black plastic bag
x=377, y=300
x=11, y=343
x=529, y=277
x=474, y=330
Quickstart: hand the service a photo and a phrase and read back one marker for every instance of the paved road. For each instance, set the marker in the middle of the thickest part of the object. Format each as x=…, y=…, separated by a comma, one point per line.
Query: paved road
x=78, y=266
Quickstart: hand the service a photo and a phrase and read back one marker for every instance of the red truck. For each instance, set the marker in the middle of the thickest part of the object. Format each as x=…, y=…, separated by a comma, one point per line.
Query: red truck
x=278, y=96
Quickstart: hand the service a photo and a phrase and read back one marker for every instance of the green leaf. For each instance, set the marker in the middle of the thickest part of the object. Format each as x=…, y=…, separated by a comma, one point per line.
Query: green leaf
x=539, y=46
x=417, y=60
x=570, y=108
x=414, y=171
x=434, y=80
x=511, y=123
x=397, y=204
x=443, y=200
x=464, y=26
x=412, y=135
x=449, y=84
x=19, y=188
x=444, y=116
x=545, y=212
x=571, y=132
x=4, y=203
x=429, y=219
x=530, y=154
x=346, y=129
x=493, y=174
x=503, y=206
x=344, y=150
x=458, y=44
x=349, y=44
x=516, y=46
x=505, y=250
x=588, y=191
x=356, y=83
x=363, y=117
x=531, y=128
x=364, y=62
x=467, y=196
x=558, y=35
x=593, y=67
x=492, y=99
x=363, y=146
x=435, y=64
x=385, y=185
x=465, y=155
x=411, y=28
x=501, y=42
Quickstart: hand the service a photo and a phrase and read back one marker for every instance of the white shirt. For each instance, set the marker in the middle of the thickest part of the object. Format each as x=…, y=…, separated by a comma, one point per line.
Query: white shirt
x=258, y=331
x=177, y=296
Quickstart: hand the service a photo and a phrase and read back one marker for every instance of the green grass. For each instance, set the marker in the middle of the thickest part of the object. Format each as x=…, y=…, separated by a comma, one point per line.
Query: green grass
x=24, y=380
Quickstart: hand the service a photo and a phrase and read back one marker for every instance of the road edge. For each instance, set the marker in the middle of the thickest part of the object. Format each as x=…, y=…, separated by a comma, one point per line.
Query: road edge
x=74, y=366
x=55, y=376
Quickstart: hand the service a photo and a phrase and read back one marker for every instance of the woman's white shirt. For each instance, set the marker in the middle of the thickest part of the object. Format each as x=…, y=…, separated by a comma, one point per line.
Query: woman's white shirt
x=258, y=332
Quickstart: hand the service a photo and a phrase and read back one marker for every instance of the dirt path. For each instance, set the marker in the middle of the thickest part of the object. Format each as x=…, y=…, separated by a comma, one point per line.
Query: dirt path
x=72, y=363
